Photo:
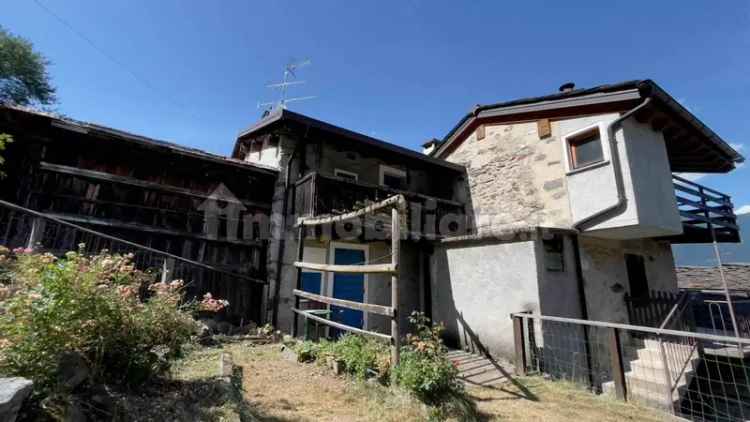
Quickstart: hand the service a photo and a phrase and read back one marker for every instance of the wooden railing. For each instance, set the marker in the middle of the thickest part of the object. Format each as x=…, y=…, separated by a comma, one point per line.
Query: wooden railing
x=702, y=210
x=317, y=194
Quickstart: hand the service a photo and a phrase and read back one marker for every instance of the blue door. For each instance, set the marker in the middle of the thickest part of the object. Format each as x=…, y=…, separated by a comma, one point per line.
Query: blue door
x=348, y=287
x=311, y=282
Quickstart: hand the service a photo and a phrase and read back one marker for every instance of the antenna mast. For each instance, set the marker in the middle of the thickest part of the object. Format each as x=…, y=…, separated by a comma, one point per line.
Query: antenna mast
x=289, y=79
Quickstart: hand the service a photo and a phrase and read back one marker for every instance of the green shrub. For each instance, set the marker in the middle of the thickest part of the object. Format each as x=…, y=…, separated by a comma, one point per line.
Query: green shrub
x=359, y=354
x=92, y=306
x=424, y=369
x=430, y=378
x=307, y=351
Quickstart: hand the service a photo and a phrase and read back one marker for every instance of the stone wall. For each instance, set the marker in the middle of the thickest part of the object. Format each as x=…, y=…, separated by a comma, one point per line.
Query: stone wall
x=514, y=177
x=606, y=277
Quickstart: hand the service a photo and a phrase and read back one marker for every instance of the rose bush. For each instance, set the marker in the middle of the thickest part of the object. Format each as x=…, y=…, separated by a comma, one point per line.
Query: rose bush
x=101, y=307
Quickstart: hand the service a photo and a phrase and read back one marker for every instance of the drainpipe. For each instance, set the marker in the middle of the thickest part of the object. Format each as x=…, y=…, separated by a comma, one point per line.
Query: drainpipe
x=616, y=166
x=584, y=306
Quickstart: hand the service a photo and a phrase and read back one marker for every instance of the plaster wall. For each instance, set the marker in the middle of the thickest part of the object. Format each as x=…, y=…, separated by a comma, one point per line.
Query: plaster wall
x=475, y=288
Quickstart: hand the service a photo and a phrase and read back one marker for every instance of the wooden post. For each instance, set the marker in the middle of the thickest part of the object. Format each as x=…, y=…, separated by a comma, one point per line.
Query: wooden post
x=37, y=232
x=166, y=269
x=520, y=360
x=395, y=251
x=618, y=370
x=300, y=253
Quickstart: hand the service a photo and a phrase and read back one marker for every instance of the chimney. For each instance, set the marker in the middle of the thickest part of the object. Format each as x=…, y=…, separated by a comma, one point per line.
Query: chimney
x=430, y=146
x=567, y=87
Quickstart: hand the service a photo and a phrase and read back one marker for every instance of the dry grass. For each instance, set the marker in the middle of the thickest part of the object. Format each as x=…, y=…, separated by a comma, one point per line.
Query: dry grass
x=279, y=390
x=536, y=399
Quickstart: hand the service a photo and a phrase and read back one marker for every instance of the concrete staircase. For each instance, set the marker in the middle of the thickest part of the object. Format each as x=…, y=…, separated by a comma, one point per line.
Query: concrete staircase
x=645, y=375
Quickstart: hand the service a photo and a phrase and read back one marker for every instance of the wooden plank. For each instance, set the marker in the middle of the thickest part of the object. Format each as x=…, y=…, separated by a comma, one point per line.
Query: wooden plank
x=125, y=180
x=179, y=259
x=481, y=132
x=370, y=209
x=618, y=370
x=350, y=269
x=340, y=326
x=544, y=128
x=366, y=307
x=152, y=229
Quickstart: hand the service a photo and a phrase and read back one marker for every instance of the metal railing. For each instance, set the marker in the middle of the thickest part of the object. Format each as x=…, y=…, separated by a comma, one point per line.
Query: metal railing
x=691, y=375
x=652, y=309
x=24, y=228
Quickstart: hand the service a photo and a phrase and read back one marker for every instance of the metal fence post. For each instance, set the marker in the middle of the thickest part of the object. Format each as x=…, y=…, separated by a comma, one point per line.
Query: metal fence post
x=520, y=347
x=618, y=370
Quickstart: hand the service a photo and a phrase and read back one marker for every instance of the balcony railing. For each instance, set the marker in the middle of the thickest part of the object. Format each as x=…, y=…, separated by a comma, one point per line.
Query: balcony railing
x=704, y=210
x=317, y=194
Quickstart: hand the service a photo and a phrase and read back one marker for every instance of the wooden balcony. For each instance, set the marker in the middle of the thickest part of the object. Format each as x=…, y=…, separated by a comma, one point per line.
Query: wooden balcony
x=704, y=210
x=317, y=194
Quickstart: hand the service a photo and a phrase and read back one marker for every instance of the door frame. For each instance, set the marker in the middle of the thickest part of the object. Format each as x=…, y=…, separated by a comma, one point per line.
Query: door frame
x=332, y=261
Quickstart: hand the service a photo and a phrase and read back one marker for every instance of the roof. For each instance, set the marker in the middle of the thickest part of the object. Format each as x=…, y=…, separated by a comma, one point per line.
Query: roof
x=632, y=90
x=709, y=278
x=280, y=115
x=94, y=129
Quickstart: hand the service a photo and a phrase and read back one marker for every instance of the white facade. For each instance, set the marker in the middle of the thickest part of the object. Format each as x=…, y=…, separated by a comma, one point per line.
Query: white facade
x=650, y=208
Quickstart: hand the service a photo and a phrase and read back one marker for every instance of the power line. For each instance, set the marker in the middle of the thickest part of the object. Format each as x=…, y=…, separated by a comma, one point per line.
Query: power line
x=110, y=57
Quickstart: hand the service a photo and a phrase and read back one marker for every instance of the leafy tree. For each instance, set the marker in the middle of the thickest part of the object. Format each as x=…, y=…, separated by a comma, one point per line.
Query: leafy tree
x=24, y=79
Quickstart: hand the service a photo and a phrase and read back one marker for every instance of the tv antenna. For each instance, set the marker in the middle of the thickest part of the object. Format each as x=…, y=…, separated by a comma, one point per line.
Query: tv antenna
x=290, y=79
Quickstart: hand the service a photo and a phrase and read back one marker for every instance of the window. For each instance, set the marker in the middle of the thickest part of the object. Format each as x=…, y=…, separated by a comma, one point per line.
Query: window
x=585, y=148
x=393, y=177
x=554, y=260
x=636, y=267
x=346, y=175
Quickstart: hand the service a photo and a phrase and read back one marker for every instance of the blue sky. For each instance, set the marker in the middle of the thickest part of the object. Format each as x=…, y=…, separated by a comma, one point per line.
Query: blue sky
x=404, y=71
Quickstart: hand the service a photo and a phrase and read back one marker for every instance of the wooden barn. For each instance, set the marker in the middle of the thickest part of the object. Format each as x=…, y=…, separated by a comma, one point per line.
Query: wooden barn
x=153, y=193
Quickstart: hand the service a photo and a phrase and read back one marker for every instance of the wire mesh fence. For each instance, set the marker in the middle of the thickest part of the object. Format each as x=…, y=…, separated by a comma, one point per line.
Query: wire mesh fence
x=695, y=376
x=24, y=228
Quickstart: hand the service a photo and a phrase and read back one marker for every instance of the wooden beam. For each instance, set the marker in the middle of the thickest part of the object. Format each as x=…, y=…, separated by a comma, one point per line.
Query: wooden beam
x=366, y=307
x=149, y=229
x=395, y=259
x=370, y=209
x=340, y=326
x=350, y=269
x=126, y=180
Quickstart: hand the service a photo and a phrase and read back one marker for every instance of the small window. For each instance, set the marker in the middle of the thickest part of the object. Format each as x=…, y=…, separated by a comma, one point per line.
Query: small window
x=346, y=175
x=554, y=259
x=585, y=148
x=393, y=177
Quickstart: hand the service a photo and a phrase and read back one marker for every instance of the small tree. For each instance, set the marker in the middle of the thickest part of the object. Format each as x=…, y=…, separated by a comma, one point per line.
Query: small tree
x=24, y=79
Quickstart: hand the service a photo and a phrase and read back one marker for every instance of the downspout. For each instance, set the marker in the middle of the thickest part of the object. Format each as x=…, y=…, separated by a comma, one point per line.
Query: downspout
x=616, y=167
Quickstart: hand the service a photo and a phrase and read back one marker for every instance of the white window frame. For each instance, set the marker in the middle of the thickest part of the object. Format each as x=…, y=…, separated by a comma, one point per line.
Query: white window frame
x=337, y=172
x=332, y=261
x=391, y=171
x=603, y=138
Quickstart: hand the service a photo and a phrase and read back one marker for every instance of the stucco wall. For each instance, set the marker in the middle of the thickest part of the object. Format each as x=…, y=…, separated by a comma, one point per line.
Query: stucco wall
x=475, y=288
x=514, y=177
x=606, y=277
